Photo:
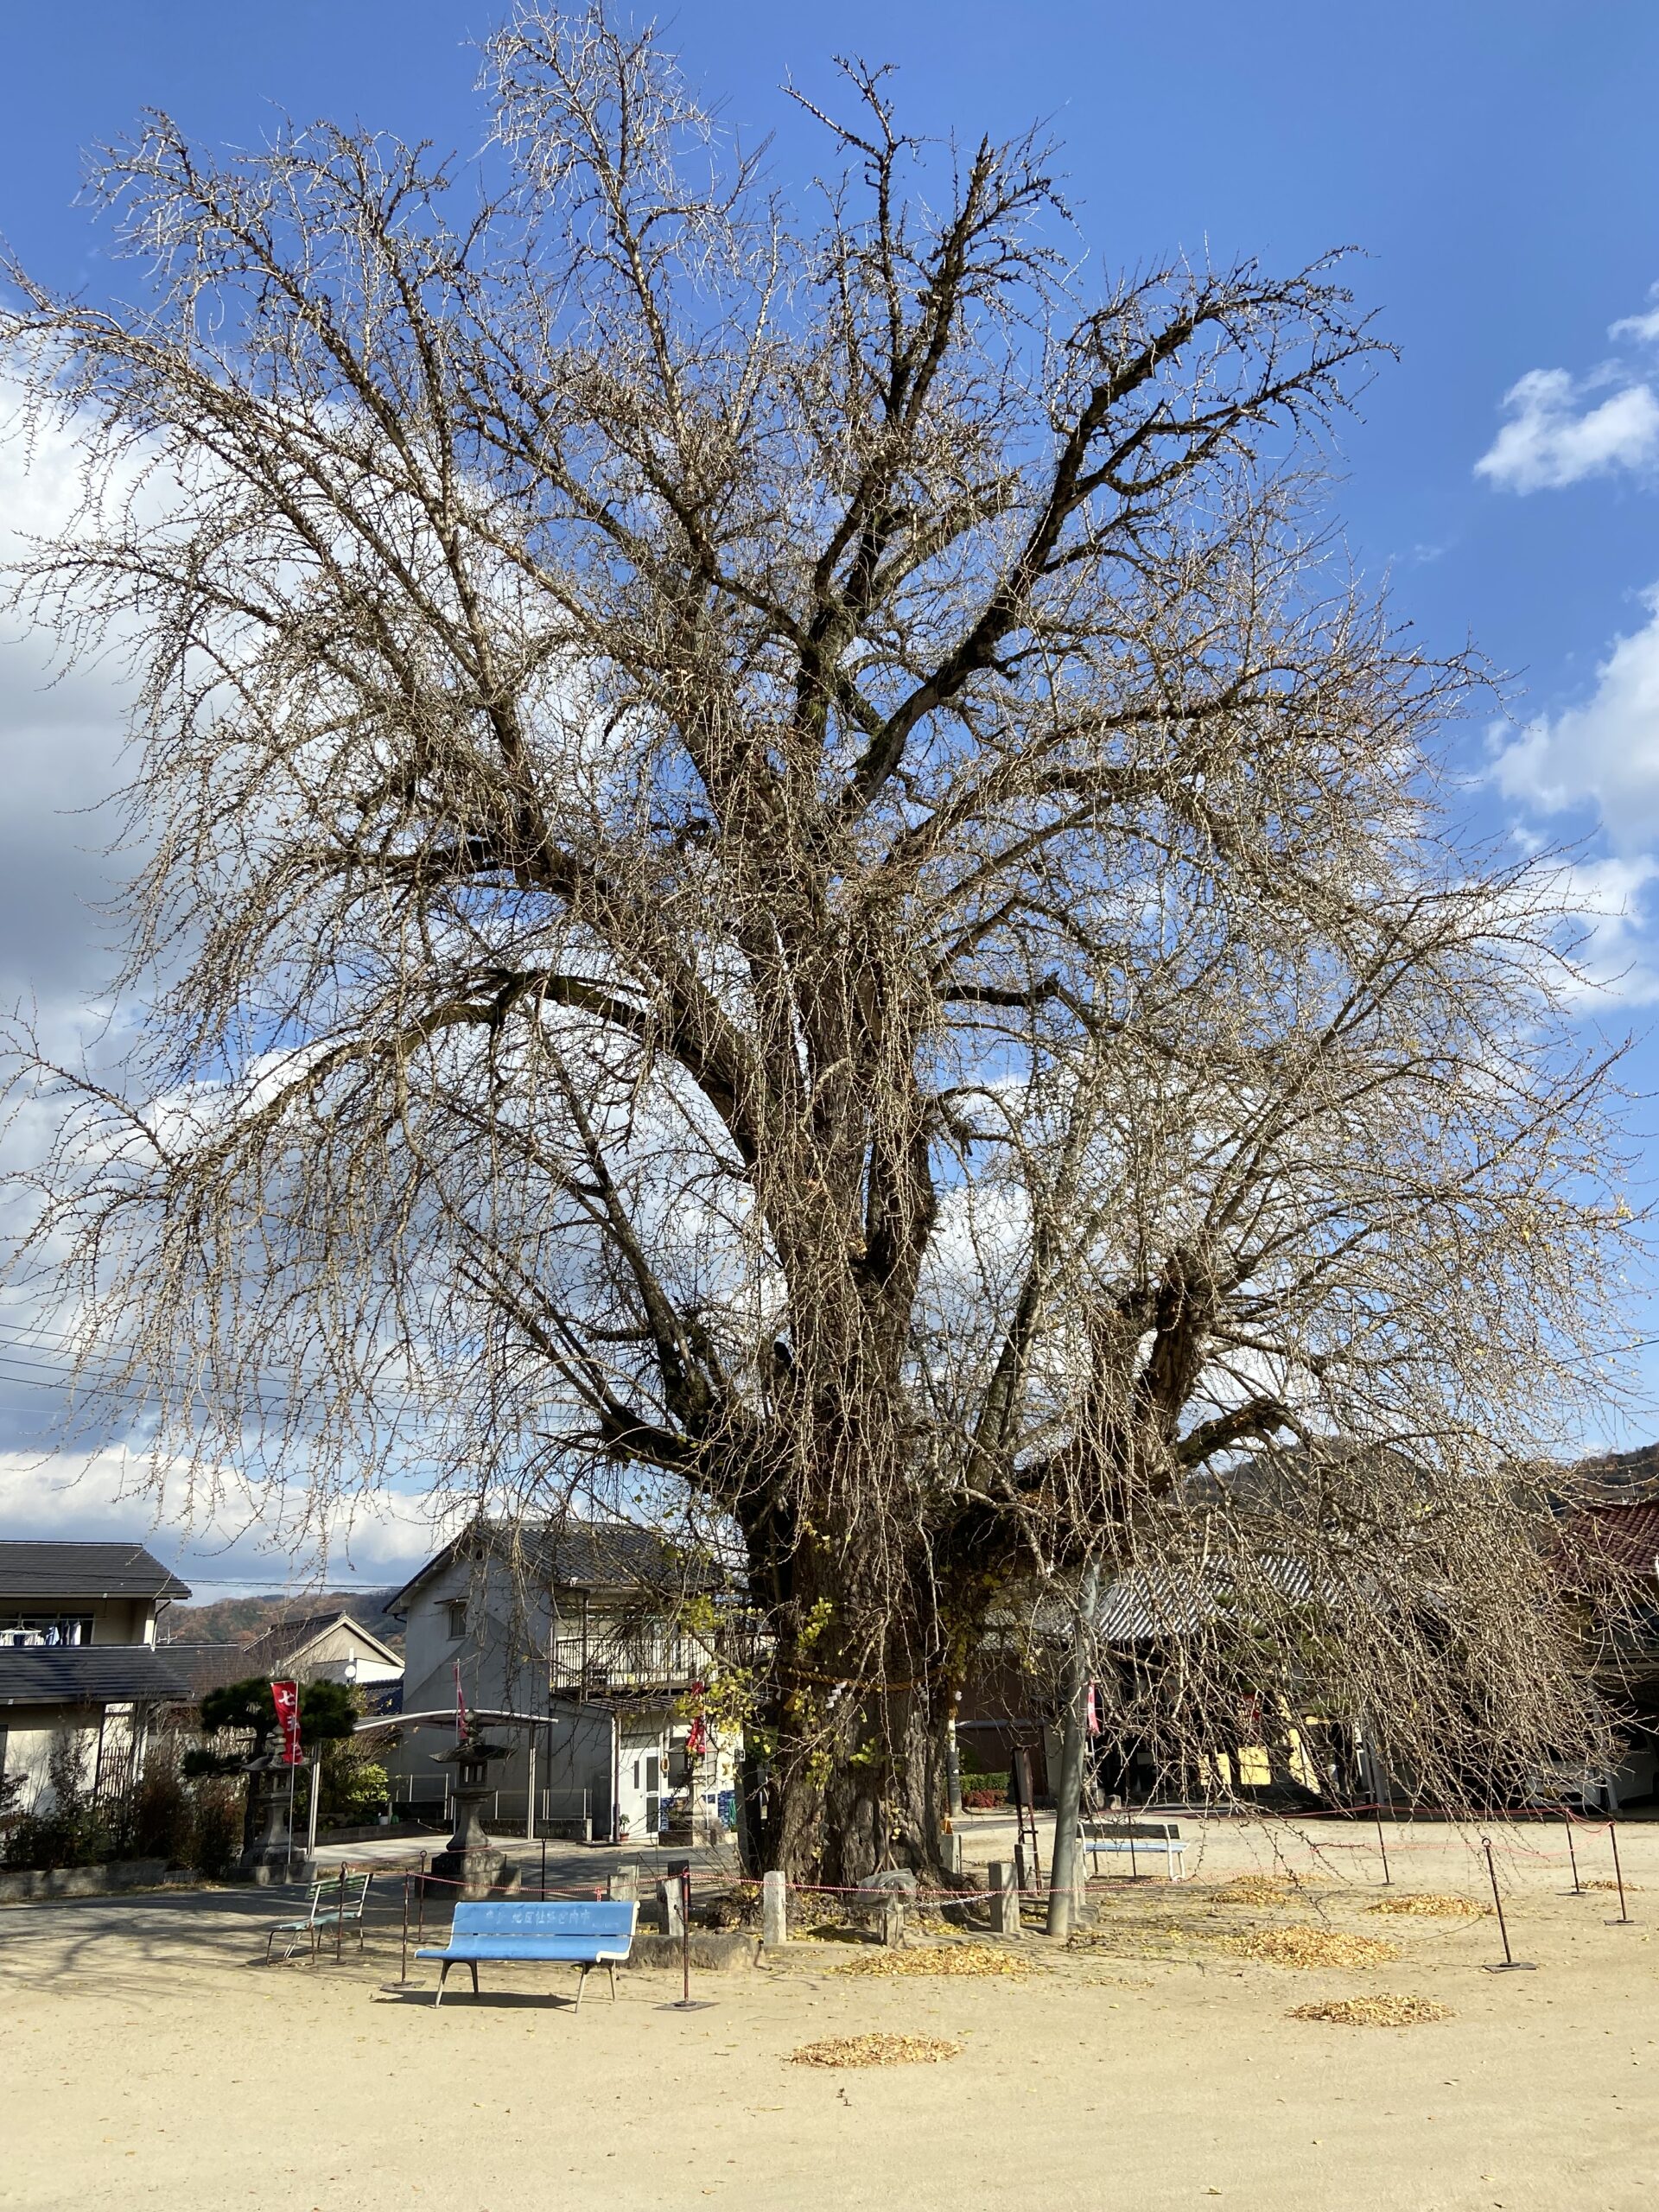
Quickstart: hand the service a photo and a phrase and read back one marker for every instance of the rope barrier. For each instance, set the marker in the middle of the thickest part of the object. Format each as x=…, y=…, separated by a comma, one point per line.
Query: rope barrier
x=1277, y=1828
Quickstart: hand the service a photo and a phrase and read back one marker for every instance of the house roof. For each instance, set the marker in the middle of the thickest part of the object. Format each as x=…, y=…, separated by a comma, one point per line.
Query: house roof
x=76, y=1570
x=1618, y=1539
x=204, y=1666
x=574, y=1555
x=1142, y=1606
x=287, y=1641
x=89, y=1674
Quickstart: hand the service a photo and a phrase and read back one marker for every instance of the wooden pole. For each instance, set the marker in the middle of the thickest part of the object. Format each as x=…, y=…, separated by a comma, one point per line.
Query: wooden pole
x=403, y=1971
x=420, y=1905
x=1572, y=1854
x=339, y=1917
x=543, y=1866
x=1381, y=1844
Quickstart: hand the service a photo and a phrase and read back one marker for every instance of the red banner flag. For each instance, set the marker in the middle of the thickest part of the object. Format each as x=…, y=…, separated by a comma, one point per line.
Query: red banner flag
x=285, y=1696
x=461, y=1707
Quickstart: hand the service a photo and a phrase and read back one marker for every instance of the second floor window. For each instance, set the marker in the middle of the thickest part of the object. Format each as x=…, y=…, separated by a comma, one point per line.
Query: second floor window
x=456, y=1612
x=45, y=1629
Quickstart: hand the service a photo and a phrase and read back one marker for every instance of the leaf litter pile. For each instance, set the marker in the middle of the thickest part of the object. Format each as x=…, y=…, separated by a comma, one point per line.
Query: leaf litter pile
x=876, y=2051
x=1264, y=1889
x=1424, y=1904
x=956, y=1959
x=1375, y=2011
x=1309, y=1947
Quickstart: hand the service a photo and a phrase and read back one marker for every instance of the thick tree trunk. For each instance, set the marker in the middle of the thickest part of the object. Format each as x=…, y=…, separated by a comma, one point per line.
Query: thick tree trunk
x=854, y=1781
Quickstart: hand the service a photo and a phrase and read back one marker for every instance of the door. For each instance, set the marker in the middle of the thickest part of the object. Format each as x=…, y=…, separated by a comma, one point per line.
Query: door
x=653, y=1793
x=639, y=1784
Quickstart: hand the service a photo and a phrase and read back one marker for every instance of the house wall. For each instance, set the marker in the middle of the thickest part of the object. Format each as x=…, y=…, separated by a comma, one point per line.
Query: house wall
x=501, y=1655
x=508, y=1640
x=27, y=1733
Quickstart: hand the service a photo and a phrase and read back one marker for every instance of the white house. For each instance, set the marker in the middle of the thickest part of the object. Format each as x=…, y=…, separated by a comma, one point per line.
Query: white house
x=331, y=1646
x=568, y=1640
x=78, y=1651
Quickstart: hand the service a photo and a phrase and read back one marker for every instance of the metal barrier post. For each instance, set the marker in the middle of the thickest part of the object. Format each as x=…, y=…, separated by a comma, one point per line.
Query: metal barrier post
x=403, y=1982
x=1624, y=1920
x=1509, y=1963
x=685, y=2002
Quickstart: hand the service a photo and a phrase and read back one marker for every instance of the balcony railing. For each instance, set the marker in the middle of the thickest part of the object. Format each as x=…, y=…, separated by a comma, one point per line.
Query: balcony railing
x=640, y=1660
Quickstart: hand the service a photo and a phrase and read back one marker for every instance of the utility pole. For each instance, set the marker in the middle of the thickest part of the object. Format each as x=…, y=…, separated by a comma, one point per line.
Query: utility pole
x=1068, y=1796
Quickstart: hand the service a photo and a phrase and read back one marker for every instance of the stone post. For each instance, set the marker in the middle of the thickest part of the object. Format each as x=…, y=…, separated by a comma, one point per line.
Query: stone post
x=668, y=1898
x=893, y=1923
x=1004, y=1884
x=774, y=1909
x=624, y=1885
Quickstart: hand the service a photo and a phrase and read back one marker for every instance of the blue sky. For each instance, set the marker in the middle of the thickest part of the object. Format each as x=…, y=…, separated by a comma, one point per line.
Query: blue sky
x=1496, y=163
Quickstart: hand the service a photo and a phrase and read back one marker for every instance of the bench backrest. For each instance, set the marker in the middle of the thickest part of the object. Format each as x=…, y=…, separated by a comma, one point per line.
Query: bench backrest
x=1136, y=1831
x=601, y=1916
x=326, y=1894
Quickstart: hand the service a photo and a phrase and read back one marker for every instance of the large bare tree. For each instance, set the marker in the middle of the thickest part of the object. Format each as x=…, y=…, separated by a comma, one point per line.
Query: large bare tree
x=787, y=889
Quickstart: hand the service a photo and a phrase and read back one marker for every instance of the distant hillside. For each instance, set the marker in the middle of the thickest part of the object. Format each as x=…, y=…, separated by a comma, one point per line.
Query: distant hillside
x=238, y=1620
x=1637, y=1472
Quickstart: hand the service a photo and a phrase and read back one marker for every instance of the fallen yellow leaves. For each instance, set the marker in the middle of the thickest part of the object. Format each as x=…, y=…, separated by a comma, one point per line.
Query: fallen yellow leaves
x=1375, y=2011
x=1264, y=1889
x=960, y=1959
x=876, y=2051
x=1424, y=1904
x=1309, y=1947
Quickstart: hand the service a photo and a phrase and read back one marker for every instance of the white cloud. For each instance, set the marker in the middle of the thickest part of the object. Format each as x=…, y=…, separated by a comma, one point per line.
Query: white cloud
x=1642, y=327
x=1614, y=900
x=1603, y=753
x=234, y=1542
x=1552, y=438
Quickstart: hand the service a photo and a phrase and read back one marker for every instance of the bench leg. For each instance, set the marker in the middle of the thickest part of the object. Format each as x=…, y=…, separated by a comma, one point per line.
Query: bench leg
x=473, y=1963
x=610, y=1968
x=443, y=1976
x=581, y=1982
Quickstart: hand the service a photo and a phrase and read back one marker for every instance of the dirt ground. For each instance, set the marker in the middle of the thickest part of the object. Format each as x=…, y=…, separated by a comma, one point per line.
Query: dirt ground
x=146, y=2057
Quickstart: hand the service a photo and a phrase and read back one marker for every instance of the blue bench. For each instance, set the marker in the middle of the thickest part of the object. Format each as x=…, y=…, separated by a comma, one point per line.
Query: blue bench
x=585, y=1935
x=1139, y=1839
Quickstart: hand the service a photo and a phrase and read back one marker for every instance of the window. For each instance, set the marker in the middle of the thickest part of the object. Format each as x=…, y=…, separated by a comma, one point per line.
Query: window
x=455, y=1608
x=56, y=1628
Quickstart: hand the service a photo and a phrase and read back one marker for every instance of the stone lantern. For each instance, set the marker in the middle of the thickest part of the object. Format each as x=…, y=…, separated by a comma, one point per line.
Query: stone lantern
x=469, y=1865
x=271, y=1857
